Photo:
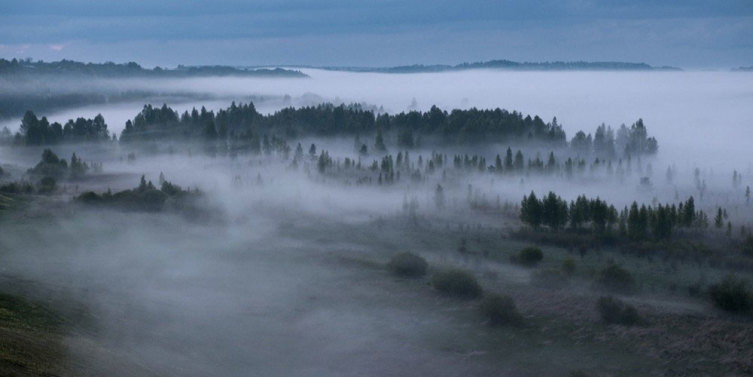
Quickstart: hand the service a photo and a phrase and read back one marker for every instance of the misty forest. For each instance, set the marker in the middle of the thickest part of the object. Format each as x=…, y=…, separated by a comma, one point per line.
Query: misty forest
x=492, y=218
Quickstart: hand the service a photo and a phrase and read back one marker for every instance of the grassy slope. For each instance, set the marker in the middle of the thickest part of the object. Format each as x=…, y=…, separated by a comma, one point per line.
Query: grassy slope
x=30, y=339
x=563, y=332
x=685, y=336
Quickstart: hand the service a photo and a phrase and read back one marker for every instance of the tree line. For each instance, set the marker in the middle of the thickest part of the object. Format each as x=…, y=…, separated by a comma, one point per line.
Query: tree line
x=130, y=69
x=240, y=128
x=635, y=222
x=240, y=123
x=146, y=197
x=36, y=131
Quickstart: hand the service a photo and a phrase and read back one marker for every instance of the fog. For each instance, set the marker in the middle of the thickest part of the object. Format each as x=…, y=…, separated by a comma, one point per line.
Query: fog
x=704, y=117
x=288, y=280
x=283, y=274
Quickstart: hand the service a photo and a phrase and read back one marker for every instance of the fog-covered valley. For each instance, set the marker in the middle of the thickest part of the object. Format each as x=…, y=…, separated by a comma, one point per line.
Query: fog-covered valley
x=268, y=259
x=678, y=106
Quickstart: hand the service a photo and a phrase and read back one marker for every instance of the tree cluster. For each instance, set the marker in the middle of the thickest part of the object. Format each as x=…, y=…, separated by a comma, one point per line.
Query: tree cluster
x=636, y=223
x=35, y=131
x=243, y=122
x=146, y=197
x=629, y=141
x=58, y=168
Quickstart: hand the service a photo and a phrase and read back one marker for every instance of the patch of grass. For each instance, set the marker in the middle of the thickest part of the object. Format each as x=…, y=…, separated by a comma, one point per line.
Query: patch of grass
x=408, y=265
x=15, y=312
x=457, y=283
x=550, y=278
x=10, y=201
x=500, y=310
x=30, y=342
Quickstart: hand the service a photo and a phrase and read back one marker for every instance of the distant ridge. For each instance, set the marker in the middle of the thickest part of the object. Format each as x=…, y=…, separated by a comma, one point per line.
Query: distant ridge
x=743, y=69
x=16, y=67
x=513, y=66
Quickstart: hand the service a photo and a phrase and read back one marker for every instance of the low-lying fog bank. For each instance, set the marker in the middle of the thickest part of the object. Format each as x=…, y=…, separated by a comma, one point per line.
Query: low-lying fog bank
x=701, y=118
x=273, y=290
x=289, y=278
x=285, y=275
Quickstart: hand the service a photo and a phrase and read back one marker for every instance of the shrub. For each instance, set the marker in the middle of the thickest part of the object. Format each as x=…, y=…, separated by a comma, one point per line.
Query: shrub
x=17, y=188
x=732, y=294
x=568, y=266
x=747, y=246
x=456, y=283
x=616, y=279
x=500, y=310
x=614, y=311
x=47, y=185
x=530, y=256
x=407, y=265
x=577, y=373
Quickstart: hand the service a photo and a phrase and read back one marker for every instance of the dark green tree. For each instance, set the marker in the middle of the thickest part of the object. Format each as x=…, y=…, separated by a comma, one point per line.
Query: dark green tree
x=379, y=142
x=531, y=211
x=519, y=163
x=554, y=211
x=508, y=160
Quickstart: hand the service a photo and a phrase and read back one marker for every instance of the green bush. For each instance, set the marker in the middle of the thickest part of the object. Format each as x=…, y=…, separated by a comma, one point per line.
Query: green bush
x=407, y=265
x=614, y=311
x=747, y=246
x=456, y=283
x=568, y=266
x=530, y=256
x=500, y=310
x=616, y=279
x=47, y=185
x=17, y=188
x=732, y=294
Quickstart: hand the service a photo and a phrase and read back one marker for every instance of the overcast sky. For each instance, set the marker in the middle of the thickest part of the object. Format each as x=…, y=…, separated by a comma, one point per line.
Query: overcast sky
x=687, y=33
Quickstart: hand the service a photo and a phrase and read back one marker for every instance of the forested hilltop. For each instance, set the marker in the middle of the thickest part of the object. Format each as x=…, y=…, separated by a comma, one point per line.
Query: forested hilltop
x=513, y=65
x=241, y=128
x=52, y=86
x=10, y=68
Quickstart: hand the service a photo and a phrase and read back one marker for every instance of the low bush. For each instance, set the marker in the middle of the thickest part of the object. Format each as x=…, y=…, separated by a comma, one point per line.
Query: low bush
x=407, y=265
x=47, y=185
x=732, y=294
x=500, y=310
x=747, y=246
x=568, y=266
x=529, y=257
x=615, y=278
x=17, y=188
x=615, y=311
x=456, y=283
x=577, y=373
